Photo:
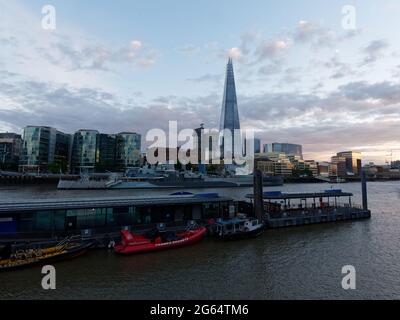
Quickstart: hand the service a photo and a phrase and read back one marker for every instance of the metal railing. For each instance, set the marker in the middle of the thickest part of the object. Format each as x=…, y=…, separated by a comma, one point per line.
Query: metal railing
x=312, y=212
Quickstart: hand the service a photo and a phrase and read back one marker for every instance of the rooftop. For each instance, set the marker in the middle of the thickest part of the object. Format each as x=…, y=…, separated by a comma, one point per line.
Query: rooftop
x=323, y=194
x=88, y=203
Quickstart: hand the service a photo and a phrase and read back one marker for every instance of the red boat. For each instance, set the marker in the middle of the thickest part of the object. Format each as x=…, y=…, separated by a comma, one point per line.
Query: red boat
x=131, y=243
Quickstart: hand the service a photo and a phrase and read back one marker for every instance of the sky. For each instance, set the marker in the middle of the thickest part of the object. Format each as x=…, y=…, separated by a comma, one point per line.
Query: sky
x=302, y=75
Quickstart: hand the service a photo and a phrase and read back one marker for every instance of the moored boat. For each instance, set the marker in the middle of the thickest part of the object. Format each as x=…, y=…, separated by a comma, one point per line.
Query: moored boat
x=239, y=228
x=131, y=243
x=10, y=260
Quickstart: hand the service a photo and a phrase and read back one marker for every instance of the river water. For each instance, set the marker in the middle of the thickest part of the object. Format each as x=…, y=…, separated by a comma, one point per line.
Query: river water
x=295, y=263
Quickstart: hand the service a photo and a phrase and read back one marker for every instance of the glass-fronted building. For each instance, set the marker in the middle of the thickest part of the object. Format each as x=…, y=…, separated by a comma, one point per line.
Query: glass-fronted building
x=352, y=162
x=35, y=148
x=257, y=145
x=128, y=150
x=10, y=148
x=106, y=152
x=289, y=149
x=84, y=151
x=43, y=147
x=229, y=119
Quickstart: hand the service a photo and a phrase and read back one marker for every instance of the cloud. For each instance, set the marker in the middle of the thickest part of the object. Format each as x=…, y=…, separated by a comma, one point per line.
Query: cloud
x=67, y=81
x=307, y=32
x=271, y=49
x=323, y=124
x=92, y=56
x=339, y=69
x=320, y=37
x=69, y=108
x=208, y=78
x=247, y=39
x=234, y=53
x=136, y=45
x=65, y=53
x=255, y=49
x=386, y=93
x=270, y=69
x=189, y=49
x=374, y=51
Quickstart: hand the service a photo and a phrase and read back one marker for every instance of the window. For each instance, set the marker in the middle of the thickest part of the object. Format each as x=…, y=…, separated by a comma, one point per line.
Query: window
x=44, y=220
x=100, y=217
x=145, y=215
x=134, y=216
x=59, y=220
x=210, y=210
x=110, y=217
x=121, y=216
x=26, y=222
x=85, y=218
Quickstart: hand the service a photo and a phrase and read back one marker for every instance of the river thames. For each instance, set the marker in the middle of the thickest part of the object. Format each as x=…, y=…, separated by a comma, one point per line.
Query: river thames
x=295, y=263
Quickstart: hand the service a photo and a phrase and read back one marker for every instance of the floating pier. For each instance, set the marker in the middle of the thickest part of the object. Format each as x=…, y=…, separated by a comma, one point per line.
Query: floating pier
x=297, y=209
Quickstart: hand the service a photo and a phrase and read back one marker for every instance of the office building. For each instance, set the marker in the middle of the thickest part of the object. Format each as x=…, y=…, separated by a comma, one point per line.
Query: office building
x=106, y=152
x=44, y=149
x=128, y=150
x=10, y=148
x=323, y=169
x=257, y=145
x=264, y=164
x=353, y=162
x=337, y=167
x=229, y=120
x=312, y=166
x=286, y=148
x=84, y=151
x=395, y=164
x=282, y=165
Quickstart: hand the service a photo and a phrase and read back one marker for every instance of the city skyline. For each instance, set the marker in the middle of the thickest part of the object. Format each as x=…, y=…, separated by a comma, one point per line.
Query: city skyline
x=301, y=78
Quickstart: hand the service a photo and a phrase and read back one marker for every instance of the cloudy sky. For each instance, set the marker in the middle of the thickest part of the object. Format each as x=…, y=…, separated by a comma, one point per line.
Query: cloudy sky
x=133, y=65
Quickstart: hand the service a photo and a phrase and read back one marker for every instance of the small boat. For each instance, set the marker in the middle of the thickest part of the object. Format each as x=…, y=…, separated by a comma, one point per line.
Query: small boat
x=32, y=257
x=239, y=228
x=131, y=243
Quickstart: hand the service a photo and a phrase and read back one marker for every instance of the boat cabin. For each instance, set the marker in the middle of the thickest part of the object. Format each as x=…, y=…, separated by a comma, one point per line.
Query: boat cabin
x=239, y=224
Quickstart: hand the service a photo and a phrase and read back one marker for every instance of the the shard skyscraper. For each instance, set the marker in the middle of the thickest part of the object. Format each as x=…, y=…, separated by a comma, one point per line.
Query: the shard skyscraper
x=229, y=113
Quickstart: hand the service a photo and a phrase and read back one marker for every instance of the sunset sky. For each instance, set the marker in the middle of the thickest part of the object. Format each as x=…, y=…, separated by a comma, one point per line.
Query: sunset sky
x=133, y=65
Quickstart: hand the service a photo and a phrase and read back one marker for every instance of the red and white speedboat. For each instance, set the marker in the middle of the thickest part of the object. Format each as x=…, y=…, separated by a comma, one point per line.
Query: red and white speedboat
x=131, y=243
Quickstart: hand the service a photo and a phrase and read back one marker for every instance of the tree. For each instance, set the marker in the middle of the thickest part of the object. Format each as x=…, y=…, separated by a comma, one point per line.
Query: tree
x=178, y=166
x=54, y=167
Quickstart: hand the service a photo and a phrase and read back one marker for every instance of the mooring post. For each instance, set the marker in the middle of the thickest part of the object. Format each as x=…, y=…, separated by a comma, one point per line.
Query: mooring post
x=364, y=190
x=258, y=195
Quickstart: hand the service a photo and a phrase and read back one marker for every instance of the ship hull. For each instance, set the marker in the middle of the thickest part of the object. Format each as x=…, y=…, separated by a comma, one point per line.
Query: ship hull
x=176, y=184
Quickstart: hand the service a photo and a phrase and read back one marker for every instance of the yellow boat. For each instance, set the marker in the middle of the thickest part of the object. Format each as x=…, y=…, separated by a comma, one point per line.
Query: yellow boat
x=30, y=257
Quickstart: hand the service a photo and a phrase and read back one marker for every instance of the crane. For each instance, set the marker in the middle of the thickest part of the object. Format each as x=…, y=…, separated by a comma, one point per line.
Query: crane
x=392, y=151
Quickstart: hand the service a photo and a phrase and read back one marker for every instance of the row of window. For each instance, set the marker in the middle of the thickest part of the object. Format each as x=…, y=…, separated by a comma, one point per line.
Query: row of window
x=60, y=220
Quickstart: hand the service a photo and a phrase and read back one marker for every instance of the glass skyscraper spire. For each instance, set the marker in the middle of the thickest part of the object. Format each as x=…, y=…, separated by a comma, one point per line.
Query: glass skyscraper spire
x=229, y=113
